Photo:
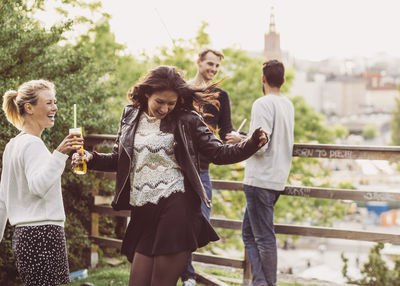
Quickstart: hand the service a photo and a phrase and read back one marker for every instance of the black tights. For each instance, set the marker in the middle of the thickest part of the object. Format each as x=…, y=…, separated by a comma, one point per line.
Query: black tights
x=157, y=270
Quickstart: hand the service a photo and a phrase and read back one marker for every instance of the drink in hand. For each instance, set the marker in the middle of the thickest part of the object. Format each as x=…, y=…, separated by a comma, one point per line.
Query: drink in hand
x=80, y=167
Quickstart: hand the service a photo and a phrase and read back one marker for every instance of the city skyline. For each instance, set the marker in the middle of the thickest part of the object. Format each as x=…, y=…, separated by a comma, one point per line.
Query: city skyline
x=309, y=29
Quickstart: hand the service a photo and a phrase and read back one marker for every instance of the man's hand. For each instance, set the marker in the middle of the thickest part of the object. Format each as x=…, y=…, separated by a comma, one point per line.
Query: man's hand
x=234, y=137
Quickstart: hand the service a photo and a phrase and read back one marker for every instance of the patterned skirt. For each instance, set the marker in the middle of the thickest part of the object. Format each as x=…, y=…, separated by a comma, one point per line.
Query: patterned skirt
x=174, y=225
x=41, y=255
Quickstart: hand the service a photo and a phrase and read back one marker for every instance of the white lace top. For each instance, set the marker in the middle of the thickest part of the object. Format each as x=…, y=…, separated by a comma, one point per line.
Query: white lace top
x=155, y=172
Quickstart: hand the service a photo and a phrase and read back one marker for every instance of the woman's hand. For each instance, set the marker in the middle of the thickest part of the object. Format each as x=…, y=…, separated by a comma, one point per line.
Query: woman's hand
x=79, y=155
x=263, y=139
x=70, y=143
x=261, y=136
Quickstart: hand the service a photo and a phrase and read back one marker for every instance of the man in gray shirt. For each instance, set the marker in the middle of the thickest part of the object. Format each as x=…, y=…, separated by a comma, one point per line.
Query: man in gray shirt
x=266, y=173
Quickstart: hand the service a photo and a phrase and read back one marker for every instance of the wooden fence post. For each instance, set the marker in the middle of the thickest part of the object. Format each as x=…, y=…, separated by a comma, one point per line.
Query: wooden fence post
x=94, y=248
x=94, y=230
x=247, y=276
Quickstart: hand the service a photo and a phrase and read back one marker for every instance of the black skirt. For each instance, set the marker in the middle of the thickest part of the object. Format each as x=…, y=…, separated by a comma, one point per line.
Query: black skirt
x=173, y=225
x=41, y=255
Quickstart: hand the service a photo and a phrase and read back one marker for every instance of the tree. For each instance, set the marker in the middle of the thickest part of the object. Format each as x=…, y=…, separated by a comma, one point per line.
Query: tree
x=369, y=132
x=21, y=45
x=81, y=72
x=395, y=126
x=375, y=272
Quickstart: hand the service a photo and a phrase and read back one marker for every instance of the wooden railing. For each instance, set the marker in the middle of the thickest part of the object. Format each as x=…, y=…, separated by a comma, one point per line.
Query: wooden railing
x=299, y=150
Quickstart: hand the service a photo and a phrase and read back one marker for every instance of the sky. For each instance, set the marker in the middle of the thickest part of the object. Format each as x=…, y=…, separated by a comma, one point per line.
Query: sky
x=309, y=29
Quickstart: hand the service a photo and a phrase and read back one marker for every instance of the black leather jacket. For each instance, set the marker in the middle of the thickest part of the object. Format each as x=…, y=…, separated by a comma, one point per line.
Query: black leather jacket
x=192, y=137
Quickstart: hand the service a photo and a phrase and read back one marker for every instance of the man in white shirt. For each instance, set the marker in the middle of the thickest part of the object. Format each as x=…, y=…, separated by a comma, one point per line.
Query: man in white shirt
x=266, y=173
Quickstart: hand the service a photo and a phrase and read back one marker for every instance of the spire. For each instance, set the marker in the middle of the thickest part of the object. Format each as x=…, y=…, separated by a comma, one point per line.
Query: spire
x=272, y=28
x=272, y=45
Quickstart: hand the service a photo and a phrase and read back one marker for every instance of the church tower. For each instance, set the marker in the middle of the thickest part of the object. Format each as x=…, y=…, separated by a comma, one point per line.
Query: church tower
x=272, y=45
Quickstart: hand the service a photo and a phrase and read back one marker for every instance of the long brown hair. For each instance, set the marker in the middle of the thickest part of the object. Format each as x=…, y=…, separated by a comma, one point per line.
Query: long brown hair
x=170, y=78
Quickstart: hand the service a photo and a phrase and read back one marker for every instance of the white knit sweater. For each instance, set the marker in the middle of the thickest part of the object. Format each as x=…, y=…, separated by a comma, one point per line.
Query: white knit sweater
x=155, y=171
x=30, y=188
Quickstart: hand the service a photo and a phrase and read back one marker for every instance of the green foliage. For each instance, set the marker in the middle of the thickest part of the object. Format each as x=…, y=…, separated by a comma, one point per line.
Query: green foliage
x=395, y=123
x=340, y=131
x=105, y=276
x=309, y=124
x=183, y=54
x=202, y=38
x=110, y=276
x=346, y=185
x=310, y=127
x=375, y=272
x=8, y=272
x=29, y=51
x=119, y=275
x=243, y=84
x=369, y=132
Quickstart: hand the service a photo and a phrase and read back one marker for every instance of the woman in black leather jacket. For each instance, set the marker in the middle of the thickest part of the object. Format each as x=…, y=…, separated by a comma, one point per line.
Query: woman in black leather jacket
x=156, y=157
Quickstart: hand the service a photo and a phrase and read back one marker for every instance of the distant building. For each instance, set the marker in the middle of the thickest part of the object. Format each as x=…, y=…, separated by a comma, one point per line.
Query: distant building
x=381, y=93
x=339, y=87
x=310, y=88
x=331, y=95
x=272, y=41
x=346, y=94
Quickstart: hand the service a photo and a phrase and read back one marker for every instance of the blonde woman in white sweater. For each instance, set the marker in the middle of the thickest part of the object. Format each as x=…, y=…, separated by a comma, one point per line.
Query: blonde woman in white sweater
x=30, y=189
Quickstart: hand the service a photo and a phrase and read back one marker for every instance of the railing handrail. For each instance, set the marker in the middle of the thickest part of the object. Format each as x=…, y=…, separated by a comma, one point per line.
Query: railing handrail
x=311, y=192
x=307, y=150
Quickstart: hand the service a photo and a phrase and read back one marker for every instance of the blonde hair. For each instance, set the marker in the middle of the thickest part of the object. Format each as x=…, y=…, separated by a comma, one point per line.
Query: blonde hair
x=14, y=100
